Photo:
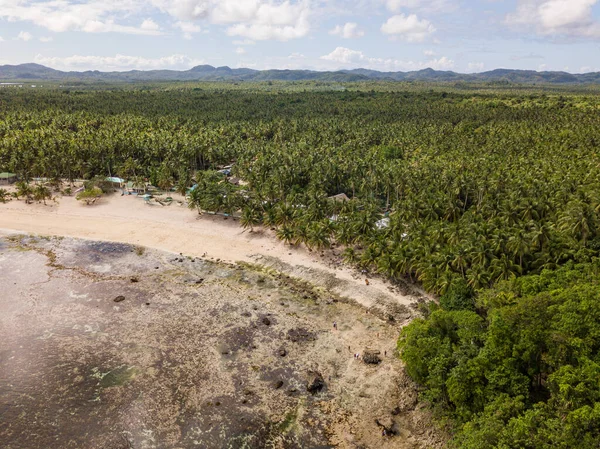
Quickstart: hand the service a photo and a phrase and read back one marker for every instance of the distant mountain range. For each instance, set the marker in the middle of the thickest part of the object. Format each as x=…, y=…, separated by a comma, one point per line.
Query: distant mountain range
x=36, y=72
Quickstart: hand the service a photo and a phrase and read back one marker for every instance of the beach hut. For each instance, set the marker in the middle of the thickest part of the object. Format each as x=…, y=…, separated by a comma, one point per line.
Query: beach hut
x=7, y=178
x=118, y=181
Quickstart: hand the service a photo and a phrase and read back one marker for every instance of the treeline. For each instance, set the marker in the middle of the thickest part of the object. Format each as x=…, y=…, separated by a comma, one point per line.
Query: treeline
x=476, y=187
x=461, y=191
x=520, y=372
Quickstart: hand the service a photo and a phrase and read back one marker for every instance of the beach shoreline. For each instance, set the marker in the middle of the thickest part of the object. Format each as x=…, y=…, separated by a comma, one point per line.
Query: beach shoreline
x=176, y=229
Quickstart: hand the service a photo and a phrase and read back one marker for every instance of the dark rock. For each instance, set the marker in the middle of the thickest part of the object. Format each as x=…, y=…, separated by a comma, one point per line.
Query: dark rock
x=246, y=314
x=315, y=383
x=266, y=321
x=278, y=384
x=371, y=357
x=300, y=335
x=396, y=411
x=135, y=279
x=119, y=298
x=282, y=352
x=199, y=281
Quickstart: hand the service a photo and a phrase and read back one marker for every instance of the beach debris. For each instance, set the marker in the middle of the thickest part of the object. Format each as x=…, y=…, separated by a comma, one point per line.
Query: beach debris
x=278, y=384
x=135, y=279
x=119, y=298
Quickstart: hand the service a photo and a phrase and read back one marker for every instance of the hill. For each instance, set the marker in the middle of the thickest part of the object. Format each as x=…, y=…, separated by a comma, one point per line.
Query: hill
x=210, y=73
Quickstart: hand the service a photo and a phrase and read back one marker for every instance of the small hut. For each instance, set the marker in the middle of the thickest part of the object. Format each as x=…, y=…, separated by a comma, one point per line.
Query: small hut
x=7, y=178
x=115, y=181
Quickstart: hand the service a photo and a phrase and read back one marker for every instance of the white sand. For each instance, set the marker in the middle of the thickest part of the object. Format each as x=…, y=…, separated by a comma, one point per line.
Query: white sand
x=174, y=228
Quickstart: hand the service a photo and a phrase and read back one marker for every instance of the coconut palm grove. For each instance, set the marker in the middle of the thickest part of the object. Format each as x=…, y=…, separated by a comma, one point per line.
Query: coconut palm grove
x=485, y=195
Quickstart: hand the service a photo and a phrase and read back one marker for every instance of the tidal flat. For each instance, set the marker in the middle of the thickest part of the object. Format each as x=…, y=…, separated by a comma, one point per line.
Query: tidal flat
x=109, y=345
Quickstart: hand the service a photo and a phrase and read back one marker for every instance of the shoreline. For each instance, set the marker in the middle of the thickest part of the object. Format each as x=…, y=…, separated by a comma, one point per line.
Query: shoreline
x=178, y=230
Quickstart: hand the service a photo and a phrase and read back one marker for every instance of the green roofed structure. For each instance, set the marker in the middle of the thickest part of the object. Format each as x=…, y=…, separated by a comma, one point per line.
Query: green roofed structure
x=7, y=178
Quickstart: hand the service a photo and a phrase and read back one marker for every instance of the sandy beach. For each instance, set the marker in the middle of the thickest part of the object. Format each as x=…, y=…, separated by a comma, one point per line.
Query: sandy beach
x=175, y=228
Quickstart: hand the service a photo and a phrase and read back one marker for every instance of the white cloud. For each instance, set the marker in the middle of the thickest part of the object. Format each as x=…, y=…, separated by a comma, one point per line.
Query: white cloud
x=409, y=28
x=46, y=39
x=240, y=50
x=347, y=58
x=24, y=36
x=557, y=17
x=429, y=53
x=149, y=25
x=1, y=39
x=117, y=62
x=349, y=30
x=188, y=28
x=475, y=67
x=252, y=19
x=93, y=16
x=280, y=22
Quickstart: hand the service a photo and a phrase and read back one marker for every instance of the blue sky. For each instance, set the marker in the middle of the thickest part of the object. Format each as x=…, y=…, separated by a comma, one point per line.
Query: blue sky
x=395, y=35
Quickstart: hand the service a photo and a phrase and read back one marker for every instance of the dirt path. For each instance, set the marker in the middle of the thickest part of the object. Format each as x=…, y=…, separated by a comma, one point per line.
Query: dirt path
x=126, y=219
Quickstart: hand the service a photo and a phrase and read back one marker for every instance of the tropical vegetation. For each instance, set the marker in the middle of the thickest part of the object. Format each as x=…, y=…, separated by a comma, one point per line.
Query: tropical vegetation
x=488, y=197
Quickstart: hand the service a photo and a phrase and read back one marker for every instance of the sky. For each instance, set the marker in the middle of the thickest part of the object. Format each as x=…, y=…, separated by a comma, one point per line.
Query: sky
x=466, y=36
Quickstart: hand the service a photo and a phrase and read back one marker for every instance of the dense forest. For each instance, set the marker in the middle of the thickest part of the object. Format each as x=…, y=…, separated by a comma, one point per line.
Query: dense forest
x=490, y=198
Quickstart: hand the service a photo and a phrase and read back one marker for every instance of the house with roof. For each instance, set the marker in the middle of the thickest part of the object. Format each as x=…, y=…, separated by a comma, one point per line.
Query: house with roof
x=7, y=178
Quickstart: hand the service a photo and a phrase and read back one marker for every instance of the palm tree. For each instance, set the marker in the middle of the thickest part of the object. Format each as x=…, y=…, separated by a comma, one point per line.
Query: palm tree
x=579, y=220
x=250, y=218
x=41, y=193
x=24, y=190
x=3, y=195
x=285, y=233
